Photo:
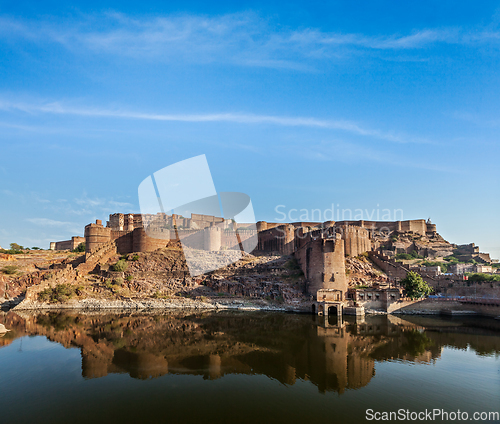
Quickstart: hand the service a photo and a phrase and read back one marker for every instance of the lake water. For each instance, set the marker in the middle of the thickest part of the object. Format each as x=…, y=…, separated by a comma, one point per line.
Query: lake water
x=242, y=367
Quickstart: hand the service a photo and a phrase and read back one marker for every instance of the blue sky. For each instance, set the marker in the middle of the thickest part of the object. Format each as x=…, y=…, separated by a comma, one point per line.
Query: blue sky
x=364, y=105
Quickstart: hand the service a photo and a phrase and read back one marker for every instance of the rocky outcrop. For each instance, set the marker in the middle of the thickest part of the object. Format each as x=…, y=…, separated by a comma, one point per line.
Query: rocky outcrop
x=362, y=271
x=7, y=257
x=161, y=279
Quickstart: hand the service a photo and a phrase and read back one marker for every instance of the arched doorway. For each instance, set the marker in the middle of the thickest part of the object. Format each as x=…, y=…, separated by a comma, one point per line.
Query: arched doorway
x=333, y=310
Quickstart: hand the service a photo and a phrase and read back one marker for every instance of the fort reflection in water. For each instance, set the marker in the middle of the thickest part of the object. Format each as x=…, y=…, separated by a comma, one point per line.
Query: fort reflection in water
x=335, y=355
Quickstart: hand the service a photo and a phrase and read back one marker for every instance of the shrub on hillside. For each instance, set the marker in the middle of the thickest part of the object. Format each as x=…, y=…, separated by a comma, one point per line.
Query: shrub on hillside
x=451, y=259
x=58, y=294
x=415, y=255
x=120, y=266
x=10, y=269
x=80, y=248
x=404, y=256
x=480, y=277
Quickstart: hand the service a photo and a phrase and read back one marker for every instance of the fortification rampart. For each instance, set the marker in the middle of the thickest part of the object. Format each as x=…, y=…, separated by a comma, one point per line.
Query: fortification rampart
x=320, y=248
x=95, y=235
x=322, y=260
x=394, y=270
x=141, y=242
x=357, y=239
x=67, y=244
x=417, y=226
x=277, y=239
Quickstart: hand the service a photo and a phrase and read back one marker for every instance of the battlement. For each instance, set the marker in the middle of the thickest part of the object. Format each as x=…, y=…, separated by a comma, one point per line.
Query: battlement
x=417, y=226
x=67, y=244
x=320, y=248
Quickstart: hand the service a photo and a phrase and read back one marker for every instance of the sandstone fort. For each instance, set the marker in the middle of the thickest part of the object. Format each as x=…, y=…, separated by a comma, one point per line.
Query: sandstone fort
x=329, y=254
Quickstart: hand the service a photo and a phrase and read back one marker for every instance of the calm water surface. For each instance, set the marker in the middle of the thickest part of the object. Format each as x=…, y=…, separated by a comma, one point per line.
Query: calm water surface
x=241, y=367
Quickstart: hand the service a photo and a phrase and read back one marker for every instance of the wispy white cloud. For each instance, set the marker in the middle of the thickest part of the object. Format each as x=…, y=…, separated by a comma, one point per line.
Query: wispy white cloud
x=479, y=120
x=45, y=222
x=51, y=224
x=354, y=153
x=101, y=205
x=239, y=118
x=242, y=39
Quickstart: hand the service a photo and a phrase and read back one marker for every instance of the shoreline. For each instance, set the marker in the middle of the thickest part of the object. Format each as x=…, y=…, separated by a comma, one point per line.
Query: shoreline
x=153, y=304
x=429, y=307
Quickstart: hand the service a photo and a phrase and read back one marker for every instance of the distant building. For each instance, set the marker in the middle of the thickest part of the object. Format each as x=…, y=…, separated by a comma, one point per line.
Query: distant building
x=461, y=268
x=67, y=244
x=487, y=269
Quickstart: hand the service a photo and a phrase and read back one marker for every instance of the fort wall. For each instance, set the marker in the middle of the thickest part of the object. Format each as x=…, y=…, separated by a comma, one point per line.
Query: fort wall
x=320, y=248
x=357, y=239
x=95, y=235
x=141, y=242
x=418, y=226
x=67, y=244
x=277, y=239
x=124, y=240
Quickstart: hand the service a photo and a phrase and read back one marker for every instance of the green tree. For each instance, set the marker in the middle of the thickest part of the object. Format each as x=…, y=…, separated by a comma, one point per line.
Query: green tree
x=15, y=246
x=415, y=286
x=405, y=256
x=79, y=248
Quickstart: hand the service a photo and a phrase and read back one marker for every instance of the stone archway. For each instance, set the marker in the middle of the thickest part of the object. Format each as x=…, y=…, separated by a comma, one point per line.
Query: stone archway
x=334, y=310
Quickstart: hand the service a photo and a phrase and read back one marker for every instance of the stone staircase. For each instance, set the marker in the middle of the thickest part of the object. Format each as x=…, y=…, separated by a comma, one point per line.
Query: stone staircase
x=96, y=257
